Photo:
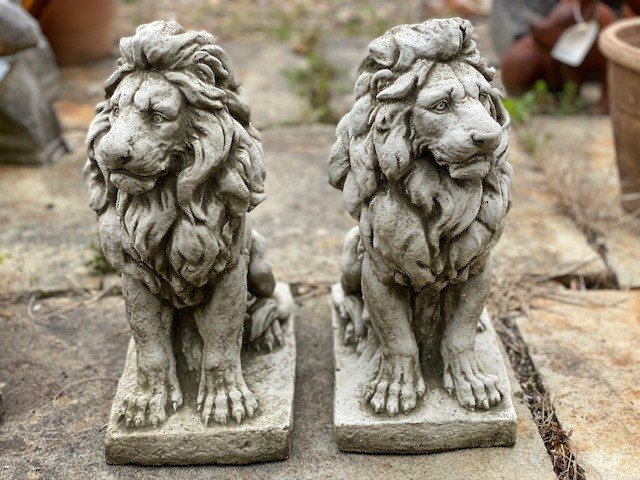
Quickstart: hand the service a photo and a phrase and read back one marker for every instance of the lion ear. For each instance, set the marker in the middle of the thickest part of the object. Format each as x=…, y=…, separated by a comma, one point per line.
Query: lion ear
x=391, y=140
x=501, y=114
x=383, y=51
x=339, y=164
x=99, y=184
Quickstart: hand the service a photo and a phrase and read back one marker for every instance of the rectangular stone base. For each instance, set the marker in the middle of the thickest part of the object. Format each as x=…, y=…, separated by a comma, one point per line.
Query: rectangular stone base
x=437, y=424
x=184, y=440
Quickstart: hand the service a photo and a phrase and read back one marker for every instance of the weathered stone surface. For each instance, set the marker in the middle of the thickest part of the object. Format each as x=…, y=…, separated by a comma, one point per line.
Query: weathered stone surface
x=538, y=236
x=588, y=356
x=622, y=247
x=46, y=228
x=438, y=423
x=57, y=435
x=344, y=55
x=303, y=218
x=545, y=242
x=421, y=160
x=20, y=36
x=184, y=440
x=261, y=67
x=585, y=141
x=18, y=30
x=29, y=130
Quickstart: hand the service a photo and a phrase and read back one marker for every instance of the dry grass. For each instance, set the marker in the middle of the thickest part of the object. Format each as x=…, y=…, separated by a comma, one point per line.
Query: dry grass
x=591, y=205
x=583, y=192
x=514, y=294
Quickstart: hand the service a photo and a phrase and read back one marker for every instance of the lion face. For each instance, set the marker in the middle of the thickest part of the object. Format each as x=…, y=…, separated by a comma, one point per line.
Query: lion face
x=454, y=118
x=147, y=129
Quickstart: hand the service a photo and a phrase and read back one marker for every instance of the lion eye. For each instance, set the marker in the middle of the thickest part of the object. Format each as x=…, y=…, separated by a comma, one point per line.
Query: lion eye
x=115, y=111
x=157, y=118
x=441, y=106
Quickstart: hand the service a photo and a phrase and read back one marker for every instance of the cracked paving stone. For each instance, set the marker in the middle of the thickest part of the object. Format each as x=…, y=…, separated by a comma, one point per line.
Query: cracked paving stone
x=64, y=438
x=587, y=353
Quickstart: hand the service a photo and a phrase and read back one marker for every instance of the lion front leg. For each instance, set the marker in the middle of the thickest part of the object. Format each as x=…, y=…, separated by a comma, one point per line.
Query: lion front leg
x=222, y=392
x=463, y=373
x=399, y=381
x=151, y=321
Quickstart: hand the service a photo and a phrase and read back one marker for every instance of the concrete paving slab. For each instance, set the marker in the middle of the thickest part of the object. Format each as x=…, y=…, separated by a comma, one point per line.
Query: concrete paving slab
x=46, y=228
x=345, y=55
x=437, y=424
x=622, y=251
x=61, y=380
x=546, y=243
x=588, y=357
x=303, y=217
x=537, y=235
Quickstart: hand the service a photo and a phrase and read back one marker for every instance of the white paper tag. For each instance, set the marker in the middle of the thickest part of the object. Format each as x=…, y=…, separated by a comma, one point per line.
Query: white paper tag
x=5, y=66
x=574, y=44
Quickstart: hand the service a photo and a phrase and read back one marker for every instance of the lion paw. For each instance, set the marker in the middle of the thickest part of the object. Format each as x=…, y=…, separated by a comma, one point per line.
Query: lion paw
x=222, y=396
x=145, y=406
x=474, y=388
x=399, y=384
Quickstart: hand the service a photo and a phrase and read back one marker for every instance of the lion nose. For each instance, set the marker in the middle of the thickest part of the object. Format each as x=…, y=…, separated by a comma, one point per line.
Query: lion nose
x=486, y=140
x=117, y=153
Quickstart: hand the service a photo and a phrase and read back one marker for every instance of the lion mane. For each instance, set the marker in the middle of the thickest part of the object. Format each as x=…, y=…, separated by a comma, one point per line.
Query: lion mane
x=397, y=200
x=197, y=226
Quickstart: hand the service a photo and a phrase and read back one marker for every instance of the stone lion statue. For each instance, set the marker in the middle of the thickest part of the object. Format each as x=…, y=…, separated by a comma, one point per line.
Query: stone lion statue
x=421, y=160
x=173, y=168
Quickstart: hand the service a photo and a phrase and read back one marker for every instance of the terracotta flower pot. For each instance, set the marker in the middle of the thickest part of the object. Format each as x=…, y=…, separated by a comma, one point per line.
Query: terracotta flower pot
x=620, y=43
x=77, y=31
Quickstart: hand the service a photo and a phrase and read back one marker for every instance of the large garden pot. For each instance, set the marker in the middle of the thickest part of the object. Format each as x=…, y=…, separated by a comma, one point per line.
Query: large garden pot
x=78, y=31
x=620, y=43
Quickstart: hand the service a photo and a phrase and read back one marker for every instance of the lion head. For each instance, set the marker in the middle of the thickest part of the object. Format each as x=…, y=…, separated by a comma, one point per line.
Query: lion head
x=174, y=164
x=423, y=92
x=421, y=156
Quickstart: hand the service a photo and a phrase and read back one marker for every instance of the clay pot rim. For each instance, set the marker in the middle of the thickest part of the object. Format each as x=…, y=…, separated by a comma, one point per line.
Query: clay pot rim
x=617, y=50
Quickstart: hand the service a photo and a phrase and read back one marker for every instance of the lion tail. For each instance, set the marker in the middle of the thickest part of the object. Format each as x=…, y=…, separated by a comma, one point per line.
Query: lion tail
x=347, y=296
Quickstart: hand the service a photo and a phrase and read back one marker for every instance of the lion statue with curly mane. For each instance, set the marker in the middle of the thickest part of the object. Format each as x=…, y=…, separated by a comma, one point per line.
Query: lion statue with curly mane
x=421, y=160
x=173, y=167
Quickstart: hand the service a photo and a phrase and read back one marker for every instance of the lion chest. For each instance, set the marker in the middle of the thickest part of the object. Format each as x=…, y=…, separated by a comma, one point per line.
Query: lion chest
x=144, y=246
x=419, y=248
